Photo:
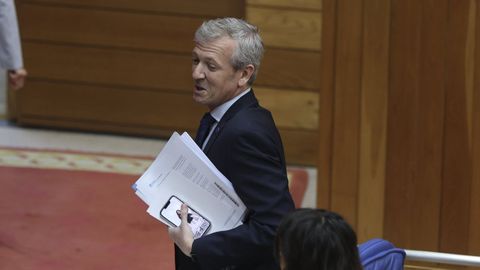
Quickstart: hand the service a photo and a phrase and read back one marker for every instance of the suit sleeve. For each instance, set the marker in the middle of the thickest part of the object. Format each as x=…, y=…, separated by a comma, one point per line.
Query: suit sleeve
x=259, y=177
x=10, y=47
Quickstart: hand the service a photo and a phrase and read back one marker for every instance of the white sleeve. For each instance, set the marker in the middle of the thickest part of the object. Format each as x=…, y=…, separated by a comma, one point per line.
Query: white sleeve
x=10, y=47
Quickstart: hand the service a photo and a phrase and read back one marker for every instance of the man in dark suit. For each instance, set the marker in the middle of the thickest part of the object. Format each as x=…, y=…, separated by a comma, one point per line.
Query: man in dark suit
x=243, y=143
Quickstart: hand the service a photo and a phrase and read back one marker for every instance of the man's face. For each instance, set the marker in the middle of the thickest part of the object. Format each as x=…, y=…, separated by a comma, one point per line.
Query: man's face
x=215, y=80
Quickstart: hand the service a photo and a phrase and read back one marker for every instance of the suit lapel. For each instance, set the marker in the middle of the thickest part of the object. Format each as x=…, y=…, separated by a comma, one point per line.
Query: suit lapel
x=248, y=100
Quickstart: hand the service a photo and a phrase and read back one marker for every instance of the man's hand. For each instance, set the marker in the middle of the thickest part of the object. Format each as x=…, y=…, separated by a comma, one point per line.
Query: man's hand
x=16, y=78
x=182, y=235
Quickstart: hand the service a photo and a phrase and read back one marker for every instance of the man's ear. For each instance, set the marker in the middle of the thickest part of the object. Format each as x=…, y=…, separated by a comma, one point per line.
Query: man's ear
x=247, y=73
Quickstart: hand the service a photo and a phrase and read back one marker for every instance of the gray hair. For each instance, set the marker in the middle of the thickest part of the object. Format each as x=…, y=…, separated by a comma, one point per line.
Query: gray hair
x=249, y=49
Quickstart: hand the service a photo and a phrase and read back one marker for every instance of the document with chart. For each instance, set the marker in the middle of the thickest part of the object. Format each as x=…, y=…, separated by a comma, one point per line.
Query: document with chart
x=182, y=173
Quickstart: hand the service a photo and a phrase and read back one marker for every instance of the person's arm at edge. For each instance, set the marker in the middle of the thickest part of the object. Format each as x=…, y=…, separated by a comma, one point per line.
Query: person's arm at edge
x=11, y=52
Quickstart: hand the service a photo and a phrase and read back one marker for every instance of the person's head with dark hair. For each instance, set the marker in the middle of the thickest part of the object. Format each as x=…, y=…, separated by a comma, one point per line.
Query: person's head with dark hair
x=316, y=239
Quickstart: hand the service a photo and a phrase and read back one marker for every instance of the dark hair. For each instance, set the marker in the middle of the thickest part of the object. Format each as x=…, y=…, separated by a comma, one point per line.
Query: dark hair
x=316, y=239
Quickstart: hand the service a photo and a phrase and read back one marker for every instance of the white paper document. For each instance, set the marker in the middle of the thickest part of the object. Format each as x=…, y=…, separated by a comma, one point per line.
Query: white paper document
x=182, y=173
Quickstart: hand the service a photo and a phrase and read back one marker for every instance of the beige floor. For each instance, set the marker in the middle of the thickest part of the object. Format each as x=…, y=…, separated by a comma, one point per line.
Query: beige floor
x=13, y=136
x=99, y=144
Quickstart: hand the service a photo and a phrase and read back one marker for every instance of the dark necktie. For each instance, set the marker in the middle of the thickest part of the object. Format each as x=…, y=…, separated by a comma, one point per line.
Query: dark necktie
x=205, y=125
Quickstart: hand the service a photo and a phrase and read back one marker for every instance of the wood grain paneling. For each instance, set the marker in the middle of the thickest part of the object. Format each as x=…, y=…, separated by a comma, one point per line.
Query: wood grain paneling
x=373, y=123
x=287, y=28
x=417, y=146
x=405, y=46
x=118, y=110
x=143, y=48
x=326, y=93
x=299, y=145
x=294, y=4
x=416, y=124
x=124, y=107
x=429, y=124
x=293, y=69
x=346, y=110
x=206, y=8
x=98, y=66
x=280, y=103
x=474, y=229
x=109, y=28
x=105, y=66
x=457, y=172
x=110, y=105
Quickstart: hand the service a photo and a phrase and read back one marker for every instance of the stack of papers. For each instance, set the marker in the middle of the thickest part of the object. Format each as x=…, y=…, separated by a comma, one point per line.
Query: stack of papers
x=182, y=173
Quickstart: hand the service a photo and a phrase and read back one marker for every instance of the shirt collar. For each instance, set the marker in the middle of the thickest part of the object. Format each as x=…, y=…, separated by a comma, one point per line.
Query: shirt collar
x=219, y=111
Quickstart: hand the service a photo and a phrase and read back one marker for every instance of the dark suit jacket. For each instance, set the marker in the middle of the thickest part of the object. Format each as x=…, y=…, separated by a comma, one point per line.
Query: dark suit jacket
x=246, y=147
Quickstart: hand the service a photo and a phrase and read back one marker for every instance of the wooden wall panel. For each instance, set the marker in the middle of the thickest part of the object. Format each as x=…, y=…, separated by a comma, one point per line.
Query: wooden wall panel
x=148, y=103
x=298, y=145
x=284, y=68
x=194, y=8
x=291, y=69
x=416, y=136
x=139, y=47
x=405, y=46
x=293, y=4
x=281, y=102
x=346, y=110
x=67, y=108
x=457, y=172
x=108, y=28
x=474, y=229
x=416, y=124
x=429, y=124
x=326, y=94
x=287, y=28
x=123, y=68
x=373, y=122
x=67, y=102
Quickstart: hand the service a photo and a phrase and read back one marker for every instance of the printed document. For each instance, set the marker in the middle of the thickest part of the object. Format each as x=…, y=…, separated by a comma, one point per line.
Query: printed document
x=181, y=171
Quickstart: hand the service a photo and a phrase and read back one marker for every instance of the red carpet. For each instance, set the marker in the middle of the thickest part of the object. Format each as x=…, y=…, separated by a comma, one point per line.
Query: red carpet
x=74, y=217
x=56, y=219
